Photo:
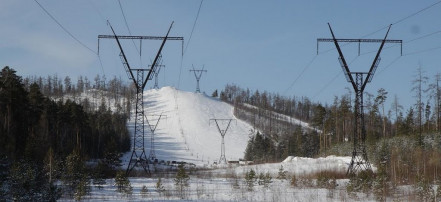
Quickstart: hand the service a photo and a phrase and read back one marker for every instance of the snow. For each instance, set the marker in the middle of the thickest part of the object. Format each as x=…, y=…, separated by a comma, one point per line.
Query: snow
x=300, y=166
x=287, y=118
x=186, y=133
x=218, y=184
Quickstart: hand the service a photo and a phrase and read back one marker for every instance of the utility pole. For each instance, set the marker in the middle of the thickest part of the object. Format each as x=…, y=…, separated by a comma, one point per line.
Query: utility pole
x=198, y=75
x=139, y=77
x=359, y=159
x=222, y=132
x=152, y=155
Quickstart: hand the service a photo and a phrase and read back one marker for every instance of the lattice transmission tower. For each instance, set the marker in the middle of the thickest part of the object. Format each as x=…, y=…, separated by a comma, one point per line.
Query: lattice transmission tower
x=152, y=127
x=222, y=132
x=158, y=69
x=198, y=75
x=359, y=159
x=139, y=77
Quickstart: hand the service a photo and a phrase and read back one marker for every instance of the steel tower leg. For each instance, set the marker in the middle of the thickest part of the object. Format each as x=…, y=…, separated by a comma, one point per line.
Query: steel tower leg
x=359, y=159
x=138, y=152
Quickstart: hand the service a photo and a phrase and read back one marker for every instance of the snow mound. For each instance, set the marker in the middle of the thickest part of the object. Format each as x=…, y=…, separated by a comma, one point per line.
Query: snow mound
x=187, y=131
x=302, y=165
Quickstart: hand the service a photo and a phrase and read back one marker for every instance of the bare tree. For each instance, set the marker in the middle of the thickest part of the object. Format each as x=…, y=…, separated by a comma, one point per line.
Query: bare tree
x=418, y=82
x=435, y=93
x=397, y=109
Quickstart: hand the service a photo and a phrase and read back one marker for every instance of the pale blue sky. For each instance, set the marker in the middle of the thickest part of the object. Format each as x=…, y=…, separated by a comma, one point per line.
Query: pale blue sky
x=257, y=44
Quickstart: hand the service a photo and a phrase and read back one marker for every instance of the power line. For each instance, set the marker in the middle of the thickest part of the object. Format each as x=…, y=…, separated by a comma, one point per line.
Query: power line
x=332, y=80
x=189, y=39
x=403, y=19
x=127, y=25
x=416, y=13
x=407, y=42
x=396, y=22
x=70, y=34
x=301, y=73
x=96, y=9
x=101, y=64
x=390, y=64
x=194, y=25
x=62, y=27
x=422, y=51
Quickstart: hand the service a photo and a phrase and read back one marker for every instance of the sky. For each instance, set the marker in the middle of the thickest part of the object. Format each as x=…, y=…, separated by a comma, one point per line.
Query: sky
x=257, y=44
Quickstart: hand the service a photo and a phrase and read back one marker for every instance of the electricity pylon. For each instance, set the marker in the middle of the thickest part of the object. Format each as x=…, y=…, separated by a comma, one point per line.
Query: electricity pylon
x=222, y=132
x=359, y=161
x=152, y=155
x=138, y=156
x=198, y=75
x=156, y=86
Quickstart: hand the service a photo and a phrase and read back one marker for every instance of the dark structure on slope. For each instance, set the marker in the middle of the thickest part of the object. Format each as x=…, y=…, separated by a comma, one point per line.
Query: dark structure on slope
x=139, y=77
x=222, y=132
x=359, y=159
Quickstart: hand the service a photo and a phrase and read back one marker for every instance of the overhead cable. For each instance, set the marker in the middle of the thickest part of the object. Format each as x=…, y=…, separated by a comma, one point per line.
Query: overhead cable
x=62, y=27
x=301, y=73
x=127, y=25
x=189, y=39
x=194, y=25
x=394, y=23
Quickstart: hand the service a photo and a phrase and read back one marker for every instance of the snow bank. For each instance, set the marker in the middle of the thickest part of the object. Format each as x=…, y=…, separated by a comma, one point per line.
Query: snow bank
x=301, y=165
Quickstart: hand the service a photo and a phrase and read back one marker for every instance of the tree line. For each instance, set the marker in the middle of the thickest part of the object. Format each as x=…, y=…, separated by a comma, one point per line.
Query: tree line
x=44, y=138
x=269, y=113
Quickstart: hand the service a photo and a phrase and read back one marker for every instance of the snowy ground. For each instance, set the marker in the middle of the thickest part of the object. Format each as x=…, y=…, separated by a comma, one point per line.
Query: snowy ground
x=219, y=184
x=186, y=133
x=289, y=119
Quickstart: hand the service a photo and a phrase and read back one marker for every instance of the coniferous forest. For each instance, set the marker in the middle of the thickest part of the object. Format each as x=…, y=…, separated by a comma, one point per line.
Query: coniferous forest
x=50, y=132
x=403, y=144
x=43, y=140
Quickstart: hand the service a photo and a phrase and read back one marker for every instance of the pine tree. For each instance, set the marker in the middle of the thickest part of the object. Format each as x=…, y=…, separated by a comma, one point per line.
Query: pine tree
x=75, y=177
x=282, y=173
x=159, y=186
x=214, y=94
x=250, y=179
x=144, y=191
x=123, y=184
x=181, y=180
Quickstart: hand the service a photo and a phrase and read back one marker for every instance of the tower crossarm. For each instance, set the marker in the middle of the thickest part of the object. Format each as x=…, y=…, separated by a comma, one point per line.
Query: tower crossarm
x=359, y=41
x=222, y=131
x=342, y=59
x=153, y=127
x=157, y=56
x=375, y=62
x=125, y=62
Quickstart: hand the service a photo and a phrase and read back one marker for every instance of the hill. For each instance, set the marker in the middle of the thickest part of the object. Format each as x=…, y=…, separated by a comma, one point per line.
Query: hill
x=186, y=133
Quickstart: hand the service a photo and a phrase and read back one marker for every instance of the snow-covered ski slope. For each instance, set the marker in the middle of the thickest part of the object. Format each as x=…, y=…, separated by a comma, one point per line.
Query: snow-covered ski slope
x=186, y=133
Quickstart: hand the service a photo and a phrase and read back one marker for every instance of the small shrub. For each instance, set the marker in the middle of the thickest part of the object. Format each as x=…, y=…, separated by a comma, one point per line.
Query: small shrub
x=424, y=189
x=123, y=184
x=282, y=173
x=250, y=179
x=326, y=180
x=144, y=191
x=361, y=182
x=181, y=180
x=294, y=181
x=305, y=182
x=159, y=186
